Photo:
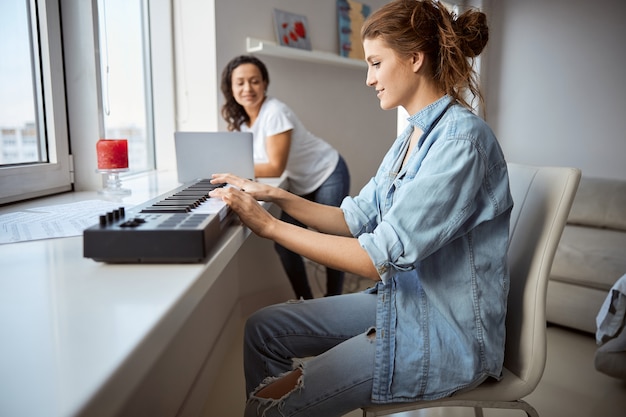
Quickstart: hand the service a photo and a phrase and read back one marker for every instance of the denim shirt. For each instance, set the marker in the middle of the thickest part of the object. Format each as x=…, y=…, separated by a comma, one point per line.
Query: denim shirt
x=437, y=231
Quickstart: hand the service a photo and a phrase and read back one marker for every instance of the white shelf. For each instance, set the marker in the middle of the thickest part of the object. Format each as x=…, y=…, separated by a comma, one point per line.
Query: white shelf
x=272, y=49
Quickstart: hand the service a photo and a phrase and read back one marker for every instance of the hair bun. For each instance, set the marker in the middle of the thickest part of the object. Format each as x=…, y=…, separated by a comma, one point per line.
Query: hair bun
x=471, y=27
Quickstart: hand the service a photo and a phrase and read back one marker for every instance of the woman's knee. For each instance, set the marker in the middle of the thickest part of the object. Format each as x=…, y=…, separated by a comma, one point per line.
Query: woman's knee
x=260, y=319
x=256, y=326
x=269, y=320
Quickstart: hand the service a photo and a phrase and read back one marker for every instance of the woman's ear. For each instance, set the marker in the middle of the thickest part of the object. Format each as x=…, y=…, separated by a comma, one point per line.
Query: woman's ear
x=417, y=61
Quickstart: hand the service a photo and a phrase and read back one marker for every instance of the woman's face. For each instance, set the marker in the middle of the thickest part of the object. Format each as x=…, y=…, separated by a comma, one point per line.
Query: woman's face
x=392, y=76
x=248, y=86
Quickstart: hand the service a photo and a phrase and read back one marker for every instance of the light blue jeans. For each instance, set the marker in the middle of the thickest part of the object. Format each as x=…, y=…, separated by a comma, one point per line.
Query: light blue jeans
x=335, y=335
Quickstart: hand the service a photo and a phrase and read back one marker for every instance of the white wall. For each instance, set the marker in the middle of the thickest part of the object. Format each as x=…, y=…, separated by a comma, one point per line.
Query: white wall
x=333, y=103
x=552, y=76
x=554, y=80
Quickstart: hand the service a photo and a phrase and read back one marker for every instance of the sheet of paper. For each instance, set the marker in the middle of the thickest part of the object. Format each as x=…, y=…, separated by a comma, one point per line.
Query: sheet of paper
x=63, y=220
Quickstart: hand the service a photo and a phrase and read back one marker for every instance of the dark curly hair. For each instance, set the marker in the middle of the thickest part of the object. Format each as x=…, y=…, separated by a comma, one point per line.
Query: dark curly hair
x=450, y=43
x=233, y=112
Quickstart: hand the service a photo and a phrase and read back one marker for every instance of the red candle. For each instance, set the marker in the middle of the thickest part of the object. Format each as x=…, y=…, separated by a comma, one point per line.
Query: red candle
x=112, y=153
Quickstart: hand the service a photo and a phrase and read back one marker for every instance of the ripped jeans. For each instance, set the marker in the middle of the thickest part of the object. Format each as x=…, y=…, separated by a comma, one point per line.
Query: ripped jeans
x=335, y=336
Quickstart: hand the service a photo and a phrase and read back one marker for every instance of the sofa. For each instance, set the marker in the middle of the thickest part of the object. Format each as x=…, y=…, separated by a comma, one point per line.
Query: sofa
x=591, y=256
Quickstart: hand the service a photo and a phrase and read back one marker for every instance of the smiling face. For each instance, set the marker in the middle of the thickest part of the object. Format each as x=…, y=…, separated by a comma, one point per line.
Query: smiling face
x=248, y=87
x=394, y=77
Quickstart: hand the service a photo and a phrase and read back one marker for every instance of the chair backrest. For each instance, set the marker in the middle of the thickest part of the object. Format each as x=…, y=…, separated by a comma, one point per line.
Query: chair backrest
x=542, y=199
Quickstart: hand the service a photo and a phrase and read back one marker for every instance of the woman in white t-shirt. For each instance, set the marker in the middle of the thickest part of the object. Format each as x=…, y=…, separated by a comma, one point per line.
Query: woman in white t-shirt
x=282, y=144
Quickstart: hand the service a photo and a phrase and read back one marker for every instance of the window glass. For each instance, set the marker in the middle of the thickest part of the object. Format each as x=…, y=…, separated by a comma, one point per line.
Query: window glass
x=126, y=78
x=20, y=140
x=34, y=145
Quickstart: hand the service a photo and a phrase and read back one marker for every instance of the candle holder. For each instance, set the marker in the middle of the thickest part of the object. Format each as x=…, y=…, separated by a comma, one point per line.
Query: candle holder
x=112, y=182
x=112, y=159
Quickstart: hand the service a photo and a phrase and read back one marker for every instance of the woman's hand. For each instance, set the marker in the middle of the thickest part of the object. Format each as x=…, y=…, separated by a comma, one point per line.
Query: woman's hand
x=257, y=190
x=244, y=202
x=334, y=247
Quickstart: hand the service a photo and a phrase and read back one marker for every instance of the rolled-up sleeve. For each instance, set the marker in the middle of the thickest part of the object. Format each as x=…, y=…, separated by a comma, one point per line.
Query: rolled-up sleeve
x=383, y=245
x=361, y=212
x=378, y=239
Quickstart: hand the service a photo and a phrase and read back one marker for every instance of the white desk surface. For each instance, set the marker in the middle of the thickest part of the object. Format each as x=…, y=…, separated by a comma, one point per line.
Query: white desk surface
x=69, y=324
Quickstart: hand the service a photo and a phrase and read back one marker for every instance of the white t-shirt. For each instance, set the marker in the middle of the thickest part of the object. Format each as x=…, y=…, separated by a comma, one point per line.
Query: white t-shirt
x=311, y=159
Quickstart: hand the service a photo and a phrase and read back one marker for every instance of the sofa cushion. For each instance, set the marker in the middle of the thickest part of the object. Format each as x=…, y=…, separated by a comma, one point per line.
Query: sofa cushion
x=591, y=257
x=573, y=306
x=600, y=203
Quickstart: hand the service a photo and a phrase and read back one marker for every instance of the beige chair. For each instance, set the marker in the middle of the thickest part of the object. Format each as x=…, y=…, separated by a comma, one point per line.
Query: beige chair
x=542, y=199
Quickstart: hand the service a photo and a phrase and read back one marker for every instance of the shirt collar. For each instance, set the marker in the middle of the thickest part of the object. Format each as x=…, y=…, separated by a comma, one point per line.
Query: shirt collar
x=424, y=118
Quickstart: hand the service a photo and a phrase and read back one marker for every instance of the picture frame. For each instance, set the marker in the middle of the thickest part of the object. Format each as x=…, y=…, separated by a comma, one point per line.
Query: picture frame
x=292, y=30
x=351, y=15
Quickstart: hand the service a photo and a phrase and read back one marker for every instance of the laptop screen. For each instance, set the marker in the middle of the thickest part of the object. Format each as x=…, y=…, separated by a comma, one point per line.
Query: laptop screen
x=200, y=154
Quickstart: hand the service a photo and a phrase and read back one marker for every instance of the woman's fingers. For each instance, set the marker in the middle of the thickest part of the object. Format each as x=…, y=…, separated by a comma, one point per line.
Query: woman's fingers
x=250, y=212
x=256, y=189
x=228, y=179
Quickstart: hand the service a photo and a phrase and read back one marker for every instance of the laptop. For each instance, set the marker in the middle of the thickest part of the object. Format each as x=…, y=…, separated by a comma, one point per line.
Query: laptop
x=200, y=154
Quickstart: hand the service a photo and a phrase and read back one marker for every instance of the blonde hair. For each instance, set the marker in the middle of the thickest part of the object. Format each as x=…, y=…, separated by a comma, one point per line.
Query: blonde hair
x=450, y=43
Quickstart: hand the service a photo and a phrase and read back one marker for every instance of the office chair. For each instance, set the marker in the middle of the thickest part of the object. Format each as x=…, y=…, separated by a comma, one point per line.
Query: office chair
x=542, y=199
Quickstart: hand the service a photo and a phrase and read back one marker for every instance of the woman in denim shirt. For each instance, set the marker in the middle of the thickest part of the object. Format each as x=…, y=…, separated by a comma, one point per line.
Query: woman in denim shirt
x=431, y=229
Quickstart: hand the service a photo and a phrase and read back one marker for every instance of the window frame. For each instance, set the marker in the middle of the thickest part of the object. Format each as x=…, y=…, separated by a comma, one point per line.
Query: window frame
x=19, y=182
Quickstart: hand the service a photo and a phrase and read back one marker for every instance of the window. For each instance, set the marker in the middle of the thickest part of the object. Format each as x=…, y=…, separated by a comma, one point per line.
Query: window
x=34, y=156
x=125, y=69
x=19, y=105
x=113, y=90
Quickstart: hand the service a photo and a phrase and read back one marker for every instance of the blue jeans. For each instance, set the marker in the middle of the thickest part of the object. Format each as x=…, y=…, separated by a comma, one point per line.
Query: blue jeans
x=331, y=192
x=336, y=334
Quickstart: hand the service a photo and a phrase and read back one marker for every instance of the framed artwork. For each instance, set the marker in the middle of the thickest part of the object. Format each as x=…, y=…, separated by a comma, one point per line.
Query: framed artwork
x=351, y=15
x=292, y=30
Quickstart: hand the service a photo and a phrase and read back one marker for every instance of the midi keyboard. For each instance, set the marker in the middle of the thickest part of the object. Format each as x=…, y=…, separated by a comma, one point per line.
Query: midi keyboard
x=177, y=227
